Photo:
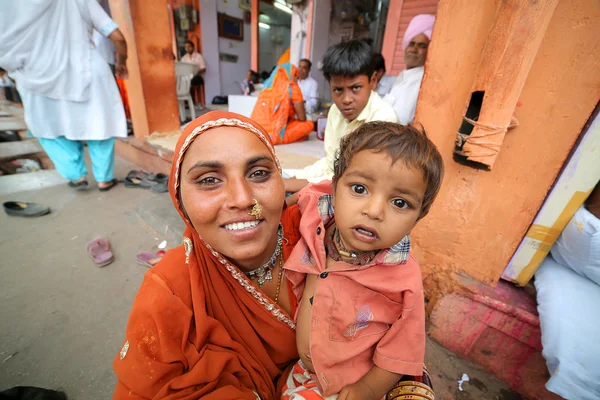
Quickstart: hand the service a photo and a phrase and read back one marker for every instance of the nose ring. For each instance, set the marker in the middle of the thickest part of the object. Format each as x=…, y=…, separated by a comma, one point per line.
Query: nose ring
x=256, y=209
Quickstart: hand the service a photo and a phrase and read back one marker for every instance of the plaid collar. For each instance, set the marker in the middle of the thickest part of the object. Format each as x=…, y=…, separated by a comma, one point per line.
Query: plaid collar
x=397, y=254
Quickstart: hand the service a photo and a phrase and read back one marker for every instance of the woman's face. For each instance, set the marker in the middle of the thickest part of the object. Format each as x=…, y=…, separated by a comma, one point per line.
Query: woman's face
x=223, y=172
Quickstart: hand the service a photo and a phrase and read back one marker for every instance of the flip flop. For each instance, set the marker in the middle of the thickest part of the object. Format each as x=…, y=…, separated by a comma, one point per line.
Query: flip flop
x=148, y=258
x=99, y=251
x=79, y=186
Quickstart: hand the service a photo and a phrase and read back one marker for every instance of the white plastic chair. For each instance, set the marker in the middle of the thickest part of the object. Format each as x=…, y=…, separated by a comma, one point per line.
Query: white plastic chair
x=184, y=82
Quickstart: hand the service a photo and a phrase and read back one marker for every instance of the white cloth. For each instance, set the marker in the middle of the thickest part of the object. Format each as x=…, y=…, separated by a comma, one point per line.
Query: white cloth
x=95, y=113
x=195, y=58
x=404, y=94
x=568, y=295
x=105, y=47
x=568, y=312
x=578, y=246
x=310, y=93
x=385, y=85
x=41, y=39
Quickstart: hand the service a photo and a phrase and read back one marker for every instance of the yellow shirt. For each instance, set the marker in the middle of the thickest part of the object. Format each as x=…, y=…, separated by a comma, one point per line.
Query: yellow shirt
x=338, y=127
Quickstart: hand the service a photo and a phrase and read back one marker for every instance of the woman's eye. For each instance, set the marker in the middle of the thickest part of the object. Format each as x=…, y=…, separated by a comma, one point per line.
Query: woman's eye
x=402, y=204
x=208, y=181
x=358, y=189
x=260, y=174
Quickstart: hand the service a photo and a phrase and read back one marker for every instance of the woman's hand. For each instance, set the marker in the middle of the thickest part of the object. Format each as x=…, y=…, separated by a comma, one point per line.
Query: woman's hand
x=356, y=391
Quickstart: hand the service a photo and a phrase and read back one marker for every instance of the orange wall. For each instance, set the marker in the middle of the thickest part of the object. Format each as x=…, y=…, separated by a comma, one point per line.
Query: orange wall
x=480, y=217
x=151, y=84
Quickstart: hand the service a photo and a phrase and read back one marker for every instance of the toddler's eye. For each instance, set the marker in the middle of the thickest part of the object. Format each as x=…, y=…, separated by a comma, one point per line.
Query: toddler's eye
x=358, y=189
x=402, y=204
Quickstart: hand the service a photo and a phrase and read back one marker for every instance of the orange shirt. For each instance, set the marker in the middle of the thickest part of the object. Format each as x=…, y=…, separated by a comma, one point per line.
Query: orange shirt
x=361, y=315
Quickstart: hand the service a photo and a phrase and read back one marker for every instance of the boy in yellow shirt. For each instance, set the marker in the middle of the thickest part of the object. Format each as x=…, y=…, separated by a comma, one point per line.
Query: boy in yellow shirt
x=350, y=71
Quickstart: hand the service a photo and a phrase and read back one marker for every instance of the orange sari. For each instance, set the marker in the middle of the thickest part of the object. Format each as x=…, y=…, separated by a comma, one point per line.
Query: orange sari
x=198, y=328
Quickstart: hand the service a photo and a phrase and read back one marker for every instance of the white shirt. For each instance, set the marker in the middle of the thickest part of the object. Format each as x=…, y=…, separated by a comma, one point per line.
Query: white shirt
x=310, y=94
x=105, y=47
x=404, y=94
x=385, y=85
x=338, y=127
x=195, y=58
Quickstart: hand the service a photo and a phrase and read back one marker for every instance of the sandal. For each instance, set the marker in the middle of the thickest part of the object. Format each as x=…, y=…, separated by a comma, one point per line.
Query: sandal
x=134, y=179
x=99, y=251
x=113, y=183
x=79, y=186
x=148, y=258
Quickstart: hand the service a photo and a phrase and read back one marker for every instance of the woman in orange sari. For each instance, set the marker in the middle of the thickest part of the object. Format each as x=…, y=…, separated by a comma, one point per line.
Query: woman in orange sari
x=212, y=318
x=280, y=107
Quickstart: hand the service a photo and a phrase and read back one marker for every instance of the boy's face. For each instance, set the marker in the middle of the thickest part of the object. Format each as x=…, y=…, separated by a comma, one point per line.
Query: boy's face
x=189, y=48
x=376, y=203
x=351, y=94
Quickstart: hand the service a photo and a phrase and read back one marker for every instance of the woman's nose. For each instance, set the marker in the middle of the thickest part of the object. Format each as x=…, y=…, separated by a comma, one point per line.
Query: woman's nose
x=239, y=194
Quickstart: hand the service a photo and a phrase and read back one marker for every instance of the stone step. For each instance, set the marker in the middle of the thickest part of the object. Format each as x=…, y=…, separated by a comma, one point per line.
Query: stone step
x=16, y=183
x=20, y=148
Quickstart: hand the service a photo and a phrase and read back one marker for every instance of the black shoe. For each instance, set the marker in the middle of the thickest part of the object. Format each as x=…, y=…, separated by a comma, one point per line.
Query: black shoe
x=20, y=209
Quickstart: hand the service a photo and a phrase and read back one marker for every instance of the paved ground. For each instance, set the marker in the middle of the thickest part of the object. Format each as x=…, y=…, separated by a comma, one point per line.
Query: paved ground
x=63, y=319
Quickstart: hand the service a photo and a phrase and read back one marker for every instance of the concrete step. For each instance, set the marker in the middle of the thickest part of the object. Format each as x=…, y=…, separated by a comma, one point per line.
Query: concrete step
x=16, y=183
x=20, y=148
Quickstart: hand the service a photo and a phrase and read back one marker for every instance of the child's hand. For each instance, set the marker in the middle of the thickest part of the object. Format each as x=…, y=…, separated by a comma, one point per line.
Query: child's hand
x=356, y=391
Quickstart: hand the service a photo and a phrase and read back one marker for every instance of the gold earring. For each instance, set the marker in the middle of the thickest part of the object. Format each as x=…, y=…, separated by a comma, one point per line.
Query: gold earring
x=256, y=210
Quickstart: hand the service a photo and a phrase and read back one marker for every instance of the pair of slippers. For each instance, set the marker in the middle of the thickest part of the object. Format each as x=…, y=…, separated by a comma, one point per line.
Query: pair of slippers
x=83, y=185
x=158, y=183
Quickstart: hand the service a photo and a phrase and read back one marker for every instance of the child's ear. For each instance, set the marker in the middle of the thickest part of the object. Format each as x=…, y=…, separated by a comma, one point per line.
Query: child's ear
x=373, y=80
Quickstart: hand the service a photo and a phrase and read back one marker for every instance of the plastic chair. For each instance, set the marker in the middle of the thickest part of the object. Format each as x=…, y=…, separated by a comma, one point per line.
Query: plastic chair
x=184, y=83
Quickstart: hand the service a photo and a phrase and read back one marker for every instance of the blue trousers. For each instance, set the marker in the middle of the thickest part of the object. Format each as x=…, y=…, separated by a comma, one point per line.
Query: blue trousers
x=67, y=156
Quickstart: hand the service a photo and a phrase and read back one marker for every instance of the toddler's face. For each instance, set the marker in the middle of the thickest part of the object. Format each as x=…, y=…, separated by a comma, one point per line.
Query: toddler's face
x=377, y=203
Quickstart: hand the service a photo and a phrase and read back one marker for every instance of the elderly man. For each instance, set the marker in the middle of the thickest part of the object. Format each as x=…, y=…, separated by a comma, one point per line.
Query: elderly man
x=403, y=95
x=308, y=86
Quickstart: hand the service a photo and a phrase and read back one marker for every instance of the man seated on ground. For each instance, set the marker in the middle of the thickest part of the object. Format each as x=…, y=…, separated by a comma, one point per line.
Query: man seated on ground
x=308, y=86
x=193, y=57
x=405, y=92
x=348, y=68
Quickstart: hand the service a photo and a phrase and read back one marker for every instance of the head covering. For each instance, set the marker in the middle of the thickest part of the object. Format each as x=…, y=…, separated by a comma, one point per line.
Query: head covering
x=422, y=23
x=222, y=337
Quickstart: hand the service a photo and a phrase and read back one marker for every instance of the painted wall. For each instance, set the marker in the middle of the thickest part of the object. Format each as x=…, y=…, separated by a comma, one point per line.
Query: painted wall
x=232, y=72
x=210, y=48
x=320, y=30
x=151, y=84
x=480, y=217
x=298, y=33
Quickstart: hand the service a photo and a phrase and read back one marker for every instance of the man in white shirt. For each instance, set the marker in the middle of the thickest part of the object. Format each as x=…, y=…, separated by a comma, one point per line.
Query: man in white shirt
x=308, y=86
x=193, y=57
x=405, y=92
